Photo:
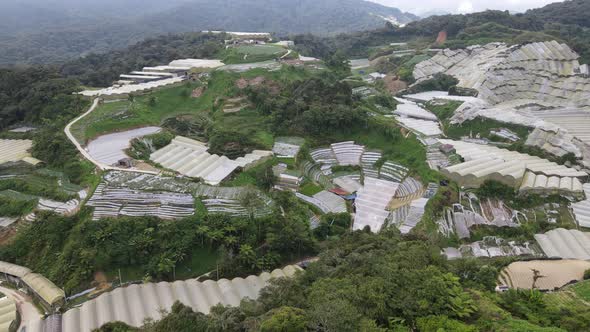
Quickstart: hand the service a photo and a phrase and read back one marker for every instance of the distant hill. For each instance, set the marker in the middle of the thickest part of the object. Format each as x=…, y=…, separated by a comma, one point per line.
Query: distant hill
x=571, y=12
x=567, y=21
x=35, y=31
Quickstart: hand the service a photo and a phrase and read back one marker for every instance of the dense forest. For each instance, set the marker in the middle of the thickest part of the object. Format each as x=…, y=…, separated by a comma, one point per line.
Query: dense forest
x=368, y=282
x=566, y=21
x=244, y=245
x=34, y=32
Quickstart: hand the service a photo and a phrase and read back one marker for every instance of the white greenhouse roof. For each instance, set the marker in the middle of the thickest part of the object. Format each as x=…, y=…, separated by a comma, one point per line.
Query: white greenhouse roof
x=136, y=303
x=197, y=63
x=581, y=209
x=372, y=203
x=109, y=149
x=8, y=312
x=190, y=158
x=131, y=88
x=547, y=71
x=16, y=150
x=567, y=244
x=411, y=109
x=487, y=162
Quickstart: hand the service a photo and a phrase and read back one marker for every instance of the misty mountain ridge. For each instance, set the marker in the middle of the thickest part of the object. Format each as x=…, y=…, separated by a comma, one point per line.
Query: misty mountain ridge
x=54, y=31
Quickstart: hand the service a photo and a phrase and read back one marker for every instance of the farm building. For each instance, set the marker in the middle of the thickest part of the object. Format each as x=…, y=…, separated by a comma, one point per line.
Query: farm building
x=136, y=303
x=190, y=158
x=567, y=244
x=16, y=150
x=51, y=296
x=551, y=274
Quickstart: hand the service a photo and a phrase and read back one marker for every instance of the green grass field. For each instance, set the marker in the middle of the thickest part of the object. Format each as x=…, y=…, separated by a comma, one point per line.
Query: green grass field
x=582, y=289
x=483, y=127
x=408, y=151
x=175, y=101
x=310, y=189
x=261, y=50
x=123, y=115
x=252, y=53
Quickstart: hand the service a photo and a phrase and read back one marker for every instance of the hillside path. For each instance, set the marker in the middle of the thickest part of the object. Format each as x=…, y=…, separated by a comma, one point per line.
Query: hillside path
x=101, y=166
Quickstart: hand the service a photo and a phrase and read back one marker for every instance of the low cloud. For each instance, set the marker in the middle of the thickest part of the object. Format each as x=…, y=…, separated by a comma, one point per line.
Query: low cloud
x=463, y=6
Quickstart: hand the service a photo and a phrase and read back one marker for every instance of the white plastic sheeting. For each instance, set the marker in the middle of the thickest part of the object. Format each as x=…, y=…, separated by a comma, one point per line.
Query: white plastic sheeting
x=556, y=274
x=109, y=149
x=111, y=202
x=8, y=312
x=16, y=150
x=372, y=202
x=136, y=303
x=563, y=243
x=417, y=119
x=581, y=209
x=486, y=162
x=190, y=158
x=542, y=184
x=121, y=91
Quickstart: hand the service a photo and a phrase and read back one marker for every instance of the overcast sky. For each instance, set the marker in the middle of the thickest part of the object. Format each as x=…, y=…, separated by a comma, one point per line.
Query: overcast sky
x=463, y=6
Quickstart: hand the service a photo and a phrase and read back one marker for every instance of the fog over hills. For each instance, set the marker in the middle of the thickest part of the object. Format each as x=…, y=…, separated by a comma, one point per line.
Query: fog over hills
x=34, y=31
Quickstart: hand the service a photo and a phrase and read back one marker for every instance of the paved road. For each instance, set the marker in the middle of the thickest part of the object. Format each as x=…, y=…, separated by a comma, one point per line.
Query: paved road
x=102, y=166
x=28, y=311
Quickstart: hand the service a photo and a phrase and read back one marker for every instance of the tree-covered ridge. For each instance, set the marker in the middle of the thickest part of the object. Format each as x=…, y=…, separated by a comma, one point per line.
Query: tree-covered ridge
x=570, y=12
x=59, y=32
x=565, y=21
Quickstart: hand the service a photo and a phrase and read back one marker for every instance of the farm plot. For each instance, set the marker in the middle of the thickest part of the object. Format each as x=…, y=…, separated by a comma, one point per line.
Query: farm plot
x=253, y=53
x=109, y=149
x=111, y=202
x=235, y=201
